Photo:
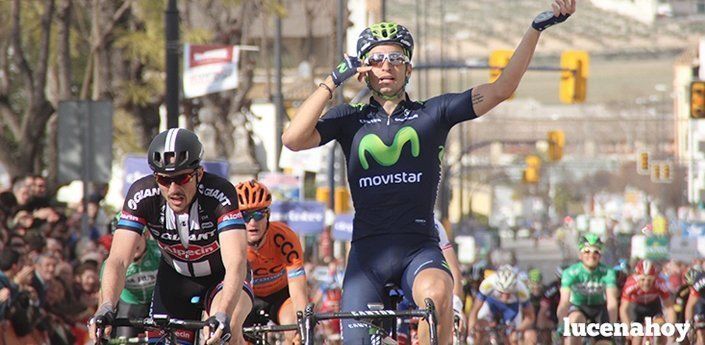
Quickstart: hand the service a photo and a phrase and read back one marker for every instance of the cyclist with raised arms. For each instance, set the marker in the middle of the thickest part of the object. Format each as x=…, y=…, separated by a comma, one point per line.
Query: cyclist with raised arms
x=276, y=258
x=393, y=148
x=194, y=217
x=503, y=297
x=643, y=295
x=588, y=289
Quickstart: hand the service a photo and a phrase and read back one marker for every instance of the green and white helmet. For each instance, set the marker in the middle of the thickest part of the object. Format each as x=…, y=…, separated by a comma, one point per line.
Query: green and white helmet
x=384, y=32
x=590, y=240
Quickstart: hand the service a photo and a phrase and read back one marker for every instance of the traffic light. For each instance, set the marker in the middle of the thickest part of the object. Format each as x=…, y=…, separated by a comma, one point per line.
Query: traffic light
x=498, y=60
x=656, y=172
x=666, y=169
x=532, y=172
x=697, y=100
x=556, y=141
x=342, y=200
x=642, y=163
x=573, y=87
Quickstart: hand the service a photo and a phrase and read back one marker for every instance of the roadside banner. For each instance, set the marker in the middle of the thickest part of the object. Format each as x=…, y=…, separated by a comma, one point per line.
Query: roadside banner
x=304, y=217
x=209, y=68
x=343, y=227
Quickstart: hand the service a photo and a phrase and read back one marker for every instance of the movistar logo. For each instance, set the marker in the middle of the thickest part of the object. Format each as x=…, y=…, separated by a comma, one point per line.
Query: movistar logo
x=388, y=155
x=342, y=67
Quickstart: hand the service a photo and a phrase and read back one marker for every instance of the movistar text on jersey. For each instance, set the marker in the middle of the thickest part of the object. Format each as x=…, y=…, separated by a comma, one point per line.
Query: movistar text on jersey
x=397, y=178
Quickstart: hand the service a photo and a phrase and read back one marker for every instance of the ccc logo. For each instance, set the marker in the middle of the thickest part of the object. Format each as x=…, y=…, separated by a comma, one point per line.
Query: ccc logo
x=286, y=247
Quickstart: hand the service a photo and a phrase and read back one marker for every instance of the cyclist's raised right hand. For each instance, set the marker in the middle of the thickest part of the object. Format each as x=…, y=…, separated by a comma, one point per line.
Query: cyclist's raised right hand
x=100, y=324
x=218, y=329
x=347, y=68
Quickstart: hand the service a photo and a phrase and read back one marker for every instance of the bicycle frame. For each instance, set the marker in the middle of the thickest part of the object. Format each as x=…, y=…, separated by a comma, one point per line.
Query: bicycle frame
x=308, y=319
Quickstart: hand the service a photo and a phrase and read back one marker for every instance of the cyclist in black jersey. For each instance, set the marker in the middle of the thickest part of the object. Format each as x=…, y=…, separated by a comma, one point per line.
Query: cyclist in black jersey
x=393, y=148
x=194, y=217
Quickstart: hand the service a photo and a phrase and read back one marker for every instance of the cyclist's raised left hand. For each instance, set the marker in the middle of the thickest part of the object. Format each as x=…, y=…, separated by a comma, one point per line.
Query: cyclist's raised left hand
x=560, y=11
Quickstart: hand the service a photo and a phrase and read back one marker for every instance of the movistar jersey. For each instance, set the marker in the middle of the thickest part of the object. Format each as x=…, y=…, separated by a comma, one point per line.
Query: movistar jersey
x=588, y=287
x=394, y=161
x=141, y=276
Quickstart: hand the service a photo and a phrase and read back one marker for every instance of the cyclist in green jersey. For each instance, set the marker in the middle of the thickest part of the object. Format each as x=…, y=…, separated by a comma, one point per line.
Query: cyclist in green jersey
x=140, y=279
x=588, y=290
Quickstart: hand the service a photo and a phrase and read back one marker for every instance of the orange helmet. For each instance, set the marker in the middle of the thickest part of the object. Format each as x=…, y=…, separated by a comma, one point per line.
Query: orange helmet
x=252, y=195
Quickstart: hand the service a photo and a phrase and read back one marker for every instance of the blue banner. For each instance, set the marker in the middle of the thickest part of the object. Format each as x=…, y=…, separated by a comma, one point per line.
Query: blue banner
x=304, y=217
x=343, y=227
x=137, y=167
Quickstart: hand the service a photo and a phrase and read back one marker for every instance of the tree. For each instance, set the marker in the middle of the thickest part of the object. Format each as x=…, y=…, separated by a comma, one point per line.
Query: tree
x=24, y=107
x=57, y=50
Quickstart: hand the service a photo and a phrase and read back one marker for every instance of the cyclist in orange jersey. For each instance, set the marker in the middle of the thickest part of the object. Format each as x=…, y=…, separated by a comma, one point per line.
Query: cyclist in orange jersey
x=276, y=258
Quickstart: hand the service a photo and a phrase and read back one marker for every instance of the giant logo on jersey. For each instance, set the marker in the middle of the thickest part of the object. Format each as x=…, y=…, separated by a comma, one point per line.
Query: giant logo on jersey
x=216, y=194
x=141, y=195
x=384, y=155
x=191, y=253
x=387, y=155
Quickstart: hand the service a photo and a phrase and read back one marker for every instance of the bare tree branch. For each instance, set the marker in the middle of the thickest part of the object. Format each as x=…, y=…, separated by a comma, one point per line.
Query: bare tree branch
x=4, y=69
x=18, y=53
x=9, y=117
x=43, y=59
x=98, y=43
x=63, y=56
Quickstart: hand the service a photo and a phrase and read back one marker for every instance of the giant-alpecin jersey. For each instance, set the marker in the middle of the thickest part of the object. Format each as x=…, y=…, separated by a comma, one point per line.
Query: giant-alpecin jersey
x=214, y=210
x=394, y=162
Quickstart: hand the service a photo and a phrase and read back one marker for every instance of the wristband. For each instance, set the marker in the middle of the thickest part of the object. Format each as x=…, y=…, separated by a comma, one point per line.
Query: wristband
x=547, y=19
x=330, y=91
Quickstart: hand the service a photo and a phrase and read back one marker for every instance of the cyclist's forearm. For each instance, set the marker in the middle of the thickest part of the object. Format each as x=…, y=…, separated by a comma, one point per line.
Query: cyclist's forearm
x=562, y=311
x=623, y=314
x=299, y=295
x=612, y=312
x=235, y=273
x=452, y=260
x=302, y=126
x=509, y=80
x=112, y=281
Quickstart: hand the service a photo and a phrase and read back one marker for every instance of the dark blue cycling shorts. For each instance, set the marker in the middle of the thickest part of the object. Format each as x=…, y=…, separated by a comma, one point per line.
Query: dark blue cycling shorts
x=376, y=261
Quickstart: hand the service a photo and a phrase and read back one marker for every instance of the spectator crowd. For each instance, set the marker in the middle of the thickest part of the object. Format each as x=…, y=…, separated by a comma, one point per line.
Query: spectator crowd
x=49, y=266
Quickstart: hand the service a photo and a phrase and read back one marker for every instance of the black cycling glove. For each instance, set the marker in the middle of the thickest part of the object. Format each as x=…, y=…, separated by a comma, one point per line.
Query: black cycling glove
x=547, y=19
x=220, y=321
x=104, y=317
x=345, y=69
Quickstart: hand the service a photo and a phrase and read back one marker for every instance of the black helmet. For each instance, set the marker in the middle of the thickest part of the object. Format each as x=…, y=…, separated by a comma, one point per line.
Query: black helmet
x=385, y=32
x=173, y=150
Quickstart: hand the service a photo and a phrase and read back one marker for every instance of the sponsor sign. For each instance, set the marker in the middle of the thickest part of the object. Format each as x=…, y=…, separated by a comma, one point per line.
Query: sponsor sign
x=343, y=227
x=209, y=69
x=304, y=217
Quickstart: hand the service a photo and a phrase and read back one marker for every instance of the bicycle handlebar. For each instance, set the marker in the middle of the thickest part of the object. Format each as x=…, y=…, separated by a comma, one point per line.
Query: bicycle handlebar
x=270, y=328
x=160, y=323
